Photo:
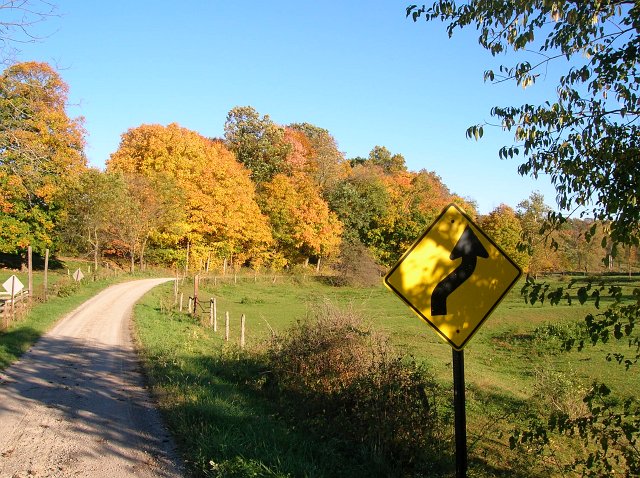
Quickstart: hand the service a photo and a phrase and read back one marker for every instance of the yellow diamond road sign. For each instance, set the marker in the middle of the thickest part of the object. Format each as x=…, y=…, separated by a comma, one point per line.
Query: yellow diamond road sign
x=453, y=276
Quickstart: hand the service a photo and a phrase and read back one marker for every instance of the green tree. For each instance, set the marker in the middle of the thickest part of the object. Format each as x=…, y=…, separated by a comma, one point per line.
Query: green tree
x=41, y=154
x=412, y=201
x=390, y=163
x=587, y=138
x=504, y=227
x=360, y=201
x=257, y=142
x=91, y=207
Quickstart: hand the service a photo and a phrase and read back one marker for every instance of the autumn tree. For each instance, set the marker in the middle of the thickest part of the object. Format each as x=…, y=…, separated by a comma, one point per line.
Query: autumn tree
x=41, y=153
x=301, y=222
x=257, y=142
x=300, y=150
x=219, y=196
x=151, y=204
x=504, y=227
x=91, y=207
x=325, y=162
x=582, y=252
x=390, y=163
x=533, y=213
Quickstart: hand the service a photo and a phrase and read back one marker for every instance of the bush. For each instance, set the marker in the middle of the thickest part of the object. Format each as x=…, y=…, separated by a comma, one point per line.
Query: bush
x=68, y=289
x=345, y=381
x=323, y=354
x=356, y=266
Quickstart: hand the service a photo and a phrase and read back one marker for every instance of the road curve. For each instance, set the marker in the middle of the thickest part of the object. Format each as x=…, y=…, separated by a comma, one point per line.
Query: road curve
x=75, y=404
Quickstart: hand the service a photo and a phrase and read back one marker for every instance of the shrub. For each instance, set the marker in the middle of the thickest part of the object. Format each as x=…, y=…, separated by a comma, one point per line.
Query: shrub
x=345, y=381
x=356, y=266
x=65, y=290
x=324, y=353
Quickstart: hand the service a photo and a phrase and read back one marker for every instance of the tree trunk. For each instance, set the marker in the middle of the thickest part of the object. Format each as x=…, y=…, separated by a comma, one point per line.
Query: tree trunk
x=186, y=265
x=95, y=254
x=142, y=248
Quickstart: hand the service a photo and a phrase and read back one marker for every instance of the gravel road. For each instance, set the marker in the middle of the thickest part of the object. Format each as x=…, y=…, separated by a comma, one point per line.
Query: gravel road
x=75, y=404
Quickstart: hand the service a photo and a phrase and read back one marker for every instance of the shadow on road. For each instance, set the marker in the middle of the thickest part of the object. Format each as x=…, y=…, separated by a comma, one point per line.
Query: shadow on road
x=94, y=392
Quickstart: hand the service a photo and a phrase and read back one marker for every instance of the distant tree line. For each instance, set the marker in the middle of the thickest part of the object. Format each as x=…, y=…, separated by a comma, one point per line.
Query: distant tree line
x=265, y=195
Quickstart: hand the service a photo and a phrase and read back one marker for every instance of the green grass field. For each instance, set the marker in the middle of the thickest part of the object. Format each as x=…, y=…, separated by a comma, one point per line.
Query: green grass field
x=201, y=382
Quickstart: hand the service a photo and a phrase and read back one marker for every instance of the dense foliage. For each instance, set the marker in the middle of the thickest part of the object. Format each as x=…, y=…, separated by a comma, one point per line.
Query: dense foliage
x=41, y=153
x=266, y=195
x=587, y=138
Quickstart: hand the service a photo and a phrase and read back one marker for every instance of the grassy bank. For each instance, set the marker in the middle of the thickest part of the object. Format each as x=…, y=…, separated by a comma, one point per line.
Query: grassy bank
x=211, y=392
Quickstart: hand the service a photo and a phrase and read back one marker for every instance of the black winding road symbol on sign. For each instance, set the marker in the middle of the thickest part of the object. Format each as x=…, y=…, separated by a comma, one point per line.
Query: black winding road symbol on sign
x=469, y=248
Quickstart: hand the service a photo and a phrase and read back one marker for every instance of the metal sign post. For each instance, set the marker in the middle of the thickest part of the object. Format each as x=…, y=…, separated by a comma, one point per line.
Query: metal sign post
x=460, y=413
x=453, y=277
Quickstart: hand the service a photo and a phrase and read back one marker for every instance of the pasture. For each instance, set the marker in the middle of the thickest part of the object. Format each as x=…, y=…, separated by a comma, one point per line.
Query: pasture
x=515, y=367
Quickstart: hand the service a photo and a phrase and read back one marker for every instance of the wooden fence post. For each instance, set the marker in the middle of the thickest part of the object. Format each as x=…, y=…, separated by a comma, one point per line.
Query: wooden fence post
x=226, y=326
x=46, y=274
x=13, y=300
x=30, y=267
x=242, y=321
x=175, y=289
x=181, y=298
x=215, y=314
x=196, y=287
x=190, y=305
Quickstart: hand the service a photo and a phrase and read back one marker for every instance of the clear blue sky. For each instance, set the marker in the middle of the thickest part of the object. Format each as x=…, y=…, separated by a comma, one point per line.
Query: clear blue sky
x=357, y=68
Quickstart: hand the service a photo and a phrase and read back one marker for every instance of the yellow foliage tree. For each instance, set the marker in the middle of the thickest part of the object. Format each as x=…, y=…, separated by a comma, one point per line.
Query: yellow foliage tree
x=301, y=221
x=221, y=209
x=41, y=153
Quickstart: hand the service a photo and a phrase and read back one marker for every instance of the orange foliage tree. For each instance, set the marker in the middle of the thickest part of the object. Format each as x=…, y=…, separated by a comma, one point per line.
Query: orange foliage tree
x=503, y=226
x=414, y=201
x=323, y=162
x=221, y=210
x=301, y=221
